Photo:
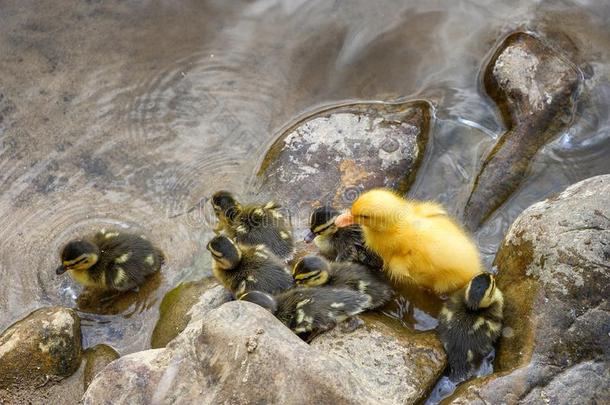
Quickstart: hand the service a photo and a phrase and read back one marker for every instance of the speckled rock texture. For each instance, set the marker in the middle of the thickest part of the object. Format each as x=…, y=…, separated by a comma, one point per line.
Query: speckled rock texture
x=335, y=154
x=37, y=351
x=534, y=87
x=392, y=362
x=238, y=354
x=554, y=272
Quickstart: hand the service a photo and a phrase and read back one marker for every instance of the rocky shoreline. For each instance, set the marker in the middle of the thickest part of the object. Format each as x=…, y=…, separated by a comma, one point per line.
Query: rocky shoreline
x=552, y=268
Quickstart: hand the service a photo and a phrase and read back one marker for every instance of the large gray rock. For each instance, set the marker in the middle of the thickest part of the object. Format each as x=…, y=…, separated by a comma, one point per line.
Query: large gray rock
x=333, y=155
x=386, y=362
x=395, y=364
x=238, y=354
x=553, y=270
x=534, y=87
x=37, y=353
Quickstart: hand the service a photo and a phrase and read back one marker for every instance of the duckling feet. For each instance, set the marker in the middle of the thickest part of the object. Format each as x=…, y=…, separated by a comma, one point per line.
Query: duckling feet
x=351, y=324
x=308, y=338
x=109, y=297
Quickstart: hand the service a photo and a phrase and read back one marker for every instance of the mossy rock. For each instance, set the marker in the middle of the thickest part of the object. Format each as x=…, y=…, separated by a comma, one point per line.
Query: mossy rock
x=97, y=357
x=174, y=312
x=45, y=343
x=553, y=270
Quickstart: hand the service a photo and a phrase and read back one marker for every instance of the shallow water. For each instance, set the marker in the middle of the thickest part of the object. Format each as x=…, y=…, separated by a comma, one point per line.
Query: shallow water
x=127, y=114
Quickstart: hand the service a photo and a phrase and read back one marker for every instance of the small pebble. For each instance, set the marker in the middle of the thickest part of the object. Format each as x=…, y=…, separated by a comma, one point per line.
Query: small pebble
x=251, y=344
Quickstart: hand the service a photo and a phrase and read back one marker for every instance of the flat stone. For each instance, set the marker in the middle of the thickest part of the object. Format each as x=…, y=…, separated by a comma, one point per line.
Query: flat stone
x=534, y=88
x=337, y=153
x=553, y=270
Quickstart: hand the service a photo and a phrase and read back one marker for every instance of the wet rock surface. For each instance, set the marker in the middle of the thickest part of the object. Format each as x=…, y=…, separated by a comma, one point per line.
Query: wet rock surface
x=38, y=351
x=96, y=358
x=334, y=154
x=177, y=308
x=553, y=270
x=534, y=87
x=239, y=354
x=395, y=364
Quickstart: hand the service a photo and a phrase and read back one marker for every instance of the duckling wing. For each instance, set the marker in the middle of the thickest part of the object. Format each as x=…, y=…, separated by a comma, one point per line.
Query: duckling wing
x=279, y=241
x=333, y=305
x=466, y=340
x=315, y=309
x=123, y=278
x=360, y=278
x=265, y=272
x=127, y=259
x=259, y=226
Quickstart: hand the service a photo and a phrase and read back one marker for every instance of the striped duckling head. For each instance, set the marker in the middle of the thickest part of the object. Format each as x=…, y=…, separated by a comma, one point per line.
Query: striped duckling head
x=311, y=271
x=78, y=255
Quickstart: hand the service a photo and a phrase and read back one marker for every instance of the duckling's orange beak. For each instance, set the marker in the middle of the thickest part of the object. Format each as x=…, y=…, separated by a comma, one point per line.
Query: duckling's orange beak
x=344, y=220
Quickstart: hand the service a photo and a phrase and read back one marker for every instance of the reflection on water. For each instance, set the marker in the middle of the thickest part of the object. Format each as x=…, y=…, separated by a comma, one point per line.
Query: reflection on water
x=129, y=114
x=414, y=307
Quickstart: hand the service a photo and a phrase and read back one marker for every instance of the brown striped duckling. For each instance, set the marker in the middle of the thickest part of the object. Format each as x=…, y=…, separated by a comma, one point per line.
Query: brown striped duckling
x=469, y=324
x=313, y=271
x=253, y=224
x=242, y=268
x=110, y=260
x=339, y=244
x=309, y=312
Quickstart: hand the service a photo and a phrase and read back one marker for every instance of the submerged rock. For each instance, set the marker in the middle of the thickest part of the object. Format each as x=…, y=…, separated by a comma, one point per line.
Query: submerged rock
x=238, y=354
x=393, y=363
x=534, y=87
x=554, y=272
x=97, y=357
x=335, y=154
x=175, y=310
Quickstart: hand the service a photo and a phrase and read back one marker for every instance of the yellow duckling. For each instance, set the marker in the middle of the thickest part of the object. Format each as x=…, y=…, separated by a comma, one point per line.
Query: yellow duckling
x=469, y=324
x=110, y=260
x=418, y=241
